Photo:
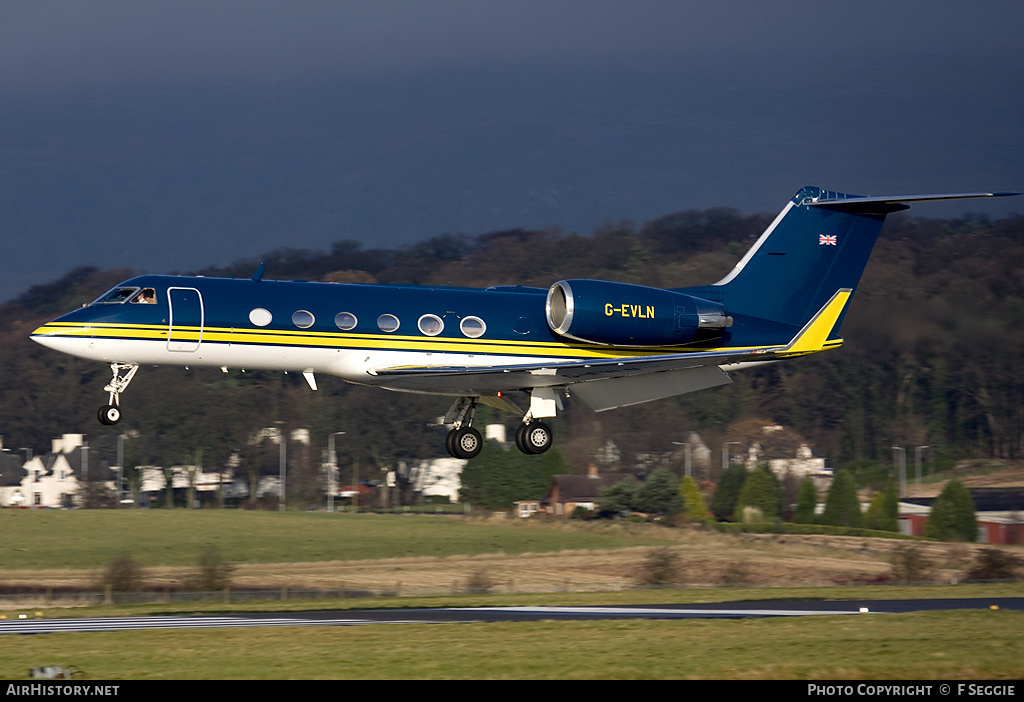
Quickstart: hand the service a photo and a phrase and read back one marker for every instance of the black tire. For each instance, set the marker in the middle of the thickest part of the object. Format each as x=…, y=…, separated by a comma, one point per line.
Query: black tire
x=521, y=439
x=449, y=443
x=536, y=438
x=109, y=414
x=466, y=443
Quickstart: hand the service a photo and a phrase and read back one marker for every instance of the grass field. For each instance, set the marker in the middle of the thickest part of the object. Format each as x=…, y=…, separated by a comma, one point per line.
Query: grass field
x=928, y=645
x=83, y=539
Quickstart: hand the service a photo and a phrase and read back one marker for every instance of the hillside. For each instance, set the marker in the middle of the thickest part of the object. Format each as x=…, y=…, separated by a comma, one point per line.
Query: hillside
x=934, y=341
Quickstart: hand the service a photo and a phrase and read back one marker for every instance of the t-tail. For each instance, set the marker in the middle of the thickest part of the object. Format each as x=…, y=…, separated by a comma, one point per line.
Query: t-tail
x=803, y=269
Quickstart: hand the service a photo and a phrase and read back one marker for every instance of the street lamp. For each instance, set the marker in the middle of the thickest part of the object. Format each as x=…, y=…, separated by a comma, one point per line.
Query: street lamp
x=900, y=459
x=917, y=456
x=686, y=454
x=725, y=454
x=282, y=465
x=332, y=468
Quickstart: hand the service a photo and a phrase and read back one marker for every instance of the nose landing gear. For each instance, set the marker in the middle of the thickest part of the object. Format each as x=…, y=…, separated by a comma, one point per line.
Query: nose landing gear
x=111, y=413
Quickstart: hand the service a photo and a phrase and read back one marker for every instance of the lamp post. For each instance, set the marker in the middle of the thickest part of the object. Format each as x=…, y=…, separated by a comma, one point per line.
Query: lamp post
x=282, y=467
x=332, y=468
x=686, y=457
x=917, y=456
x=725, y=454
x=900, y=459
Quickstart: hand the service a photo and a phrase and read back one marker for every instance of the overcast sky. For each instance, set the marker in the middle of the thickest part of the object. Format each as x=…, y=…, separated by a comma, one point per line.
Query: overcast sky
x=246, y=126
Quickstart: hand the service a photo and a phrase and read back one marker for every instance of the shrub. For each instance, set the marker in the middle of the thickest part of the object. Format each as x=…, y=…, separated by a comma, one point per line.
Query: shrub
x=479, y=583
x=994, y=564
x=214, y=571
x=659, y=568
x=909, y=564
x=123, y=574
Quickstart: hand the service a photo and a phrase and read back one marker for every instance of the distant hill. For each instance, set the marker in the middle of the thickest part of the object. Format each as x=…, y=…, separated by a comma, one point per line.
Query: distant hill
x=934, y=347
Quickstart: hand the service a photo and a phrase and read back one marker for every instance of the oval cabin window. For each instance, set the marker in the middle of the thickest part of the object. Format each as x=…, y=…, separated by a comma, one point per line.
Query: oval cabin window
x=261, y=317
x=431, y=324
x=345, y=321
x=473, y=327
x=303, y=319
x=387, y=322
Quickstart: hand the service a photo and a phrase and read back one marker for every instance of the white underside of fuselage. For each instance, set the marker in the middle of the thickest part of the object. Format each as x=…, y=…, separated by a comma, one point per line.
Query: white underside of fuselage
x=353, y=365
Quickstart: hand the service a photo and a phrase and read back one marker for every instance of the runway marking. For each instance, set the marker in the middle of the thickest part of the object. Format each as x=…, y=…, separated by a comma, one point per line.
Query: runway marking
x=51, y=626
x=657, y=611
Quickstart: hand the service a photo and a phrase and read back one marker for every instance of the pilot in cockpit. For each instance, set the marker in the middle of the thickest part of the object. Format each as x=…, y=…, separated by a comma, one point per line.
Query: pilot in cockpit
x=147, y=296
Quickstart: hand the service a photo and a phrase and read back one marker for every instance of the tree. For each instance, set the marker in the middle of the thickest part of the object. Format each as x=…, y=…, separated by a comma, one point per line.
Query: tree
x=619, y=497
x=760, y=492
x=890, y=508
x=498, y=477
x=883, y=514
x=659, y=493
x=842, y=506
x=723, y=503
x=694, y=507
x=806, y=502
x=952, y=517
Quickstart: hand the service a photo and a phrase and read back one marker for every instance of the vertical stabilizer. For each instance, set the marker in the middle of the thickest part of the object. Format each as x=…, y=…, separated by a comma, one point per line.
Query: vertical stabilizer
x=818, y=245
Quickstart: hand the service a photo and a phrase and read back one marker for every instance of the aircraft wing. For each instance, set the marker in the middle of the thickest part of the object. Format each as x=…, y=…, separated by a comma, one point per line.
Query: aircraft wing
x=607, y=384
x=602, y=384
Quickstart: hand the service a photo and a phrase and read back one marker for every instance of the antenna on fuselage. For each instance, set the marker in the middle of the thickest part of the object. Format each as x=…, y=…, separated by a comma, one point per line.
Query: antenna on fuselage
x=257, y=276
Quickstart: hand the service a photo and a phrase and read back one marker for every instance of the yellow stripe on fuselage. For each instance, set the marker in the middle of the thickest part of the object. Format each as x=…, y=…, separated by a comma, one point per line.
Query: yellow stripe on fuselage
x=355, y=341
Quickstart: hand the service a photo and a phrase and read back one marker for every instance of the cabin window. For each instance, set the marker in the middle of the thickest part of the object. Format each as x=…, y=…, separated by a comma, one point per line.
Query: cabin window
x=473, y=327
x=345, y=321
x=261, y=317
x=387, y=322
x=303, y=319
x=430, y=324
x=117, y=296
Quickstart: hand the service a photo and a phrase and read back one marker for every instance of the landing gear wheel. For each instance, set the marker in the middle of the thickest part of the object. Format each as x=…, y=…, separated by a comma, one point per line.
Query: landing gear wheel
x=109, y=414
x=534, y=438
x=464, y=443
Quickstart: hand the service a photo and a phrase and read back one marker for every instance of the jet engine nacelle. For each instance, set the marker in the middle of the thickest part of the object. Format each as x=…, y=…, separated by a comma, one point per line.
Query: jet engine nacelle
x=619, y=314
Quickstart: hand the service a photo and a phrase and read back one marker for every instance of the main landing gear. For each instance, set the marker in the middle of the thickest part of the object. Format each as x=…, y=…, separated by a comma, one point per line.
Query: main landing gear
x=111, y=413
x=464, y=441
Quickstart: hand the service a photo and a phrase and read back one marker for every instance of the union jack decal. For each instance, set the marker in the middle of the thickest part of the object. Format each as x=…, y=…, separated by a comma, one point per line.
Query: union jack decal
x=826, y=240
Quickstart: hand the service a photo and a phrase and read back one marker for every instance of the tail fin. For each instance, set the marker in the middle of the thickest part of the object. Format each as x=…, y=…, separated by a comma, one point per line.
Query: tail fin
x=818, y=245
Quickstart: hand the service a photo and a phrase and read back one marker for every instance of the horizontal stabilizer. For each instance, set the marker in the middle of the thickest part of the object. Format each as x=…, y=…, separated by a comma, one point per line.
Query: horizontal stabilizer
x=882, y=204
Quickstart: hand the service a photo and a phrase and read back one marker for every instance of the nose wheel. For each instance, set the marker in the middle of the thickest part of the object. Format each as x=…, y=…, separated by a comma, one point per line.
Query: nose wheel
x=110, y=413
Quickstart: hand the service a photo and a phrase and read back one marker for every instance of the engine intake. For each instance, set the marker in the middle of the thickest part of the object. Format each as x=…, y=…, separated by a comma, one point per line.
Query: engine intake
x=619, y=314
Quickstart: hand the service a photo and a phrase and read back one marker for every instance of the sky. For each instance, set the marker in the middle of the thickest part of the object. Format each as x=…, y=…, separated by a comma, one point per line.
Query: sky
x=168, y=137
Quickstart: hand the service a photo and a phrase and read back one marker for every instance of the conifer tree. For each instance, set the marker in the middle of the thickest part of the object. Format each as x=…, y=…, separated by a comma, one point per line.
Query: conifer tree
x=952, y=517
x=806, y=502
x=842, y=506
x=723, y=503
x=760, y=491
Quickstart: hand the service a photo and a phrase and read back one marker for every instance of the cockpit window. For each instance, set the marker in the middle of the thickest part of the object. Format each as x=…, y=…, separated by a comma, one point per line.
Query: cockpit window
x=146, y=296
x=117, y=296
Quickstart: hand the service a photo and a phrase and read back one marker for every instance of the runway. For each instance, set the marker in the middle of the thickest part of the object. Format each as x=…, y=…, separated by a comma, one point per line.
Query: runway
x=720, y=610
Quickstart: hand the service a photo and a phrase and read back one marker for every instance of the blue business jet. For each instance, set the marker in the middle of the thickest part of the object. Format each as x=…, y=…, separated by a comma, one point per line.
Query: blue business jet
x=609, y=344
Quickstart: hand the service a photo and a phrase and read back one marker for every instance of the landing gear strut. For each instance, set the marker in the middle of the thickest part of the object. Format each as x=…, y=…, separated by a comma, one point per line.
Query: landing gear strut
x=111, y=413
x=532, y=436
